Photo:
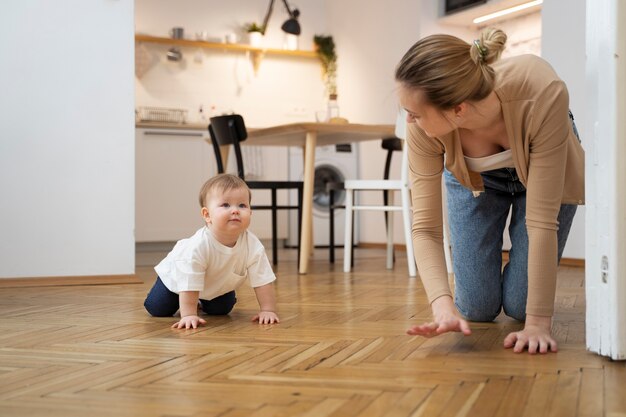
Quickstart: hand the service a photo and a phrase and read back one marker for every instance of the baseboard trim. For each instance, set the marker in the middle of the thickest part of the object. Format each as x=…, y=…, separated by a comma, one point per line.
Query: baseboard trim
x=575, y=262
x=579, y=263
x=376, y=245
x=61, y=281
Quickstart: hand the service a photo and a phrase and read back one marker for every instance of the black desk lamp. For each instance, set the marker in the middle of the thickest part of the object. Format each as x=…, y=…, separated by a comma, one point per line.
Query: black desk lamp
x=291, y=25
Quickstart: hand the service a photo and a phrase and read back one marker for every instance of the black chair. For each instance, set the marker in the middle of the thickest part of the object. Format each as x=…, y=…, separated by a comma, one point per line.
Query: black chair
x=390, y=145
x=231, y=130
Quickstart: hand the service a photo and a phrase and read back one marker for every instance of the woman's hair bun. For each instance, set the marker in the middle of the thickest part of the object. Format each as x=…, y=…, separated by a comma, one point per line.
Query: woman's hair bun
x=488, y=47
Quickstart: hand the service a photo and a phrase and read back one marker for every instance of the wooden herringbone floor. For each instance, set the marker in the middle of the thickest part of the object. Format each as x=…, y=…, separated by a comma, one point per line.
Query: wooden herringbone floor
x=340, y=350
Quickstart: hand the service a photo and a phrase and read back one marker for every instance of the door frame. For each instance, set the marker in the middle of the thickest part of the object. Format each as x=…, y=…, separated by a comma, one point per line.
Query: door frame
x=605, y=247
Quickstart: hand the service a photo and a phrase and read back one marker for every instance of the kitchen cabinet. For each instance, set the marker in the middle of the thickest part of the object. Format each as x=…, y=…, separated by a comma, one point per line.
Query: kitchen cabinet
x=171, y=165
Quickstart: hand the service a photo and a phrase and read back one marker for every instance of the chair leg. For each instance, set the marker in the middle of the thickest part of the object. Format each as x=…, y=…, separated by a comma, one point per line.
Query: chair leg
x=331, y=223
x=406, y=217
x=274, y=229
x=299, y=221
x=347, y=247
x=390, y=235
x=386, y=194
x=353, y=245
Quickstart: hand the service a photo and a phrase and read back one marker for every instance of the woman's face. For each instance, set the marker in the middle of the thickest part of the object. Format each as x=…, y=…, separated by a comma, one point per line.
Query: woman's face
x=433, y=121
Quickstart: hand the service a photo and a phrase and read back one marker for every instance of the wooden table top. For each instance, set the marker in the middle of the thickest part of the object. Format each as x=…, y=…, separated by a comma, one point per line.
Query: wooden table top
x=294, y=134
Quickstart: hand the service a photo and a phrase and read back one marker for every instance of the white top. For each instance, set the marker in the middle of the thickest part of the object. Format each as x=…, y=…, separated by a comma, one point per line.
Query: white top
x=503, y=159
x=201, y=263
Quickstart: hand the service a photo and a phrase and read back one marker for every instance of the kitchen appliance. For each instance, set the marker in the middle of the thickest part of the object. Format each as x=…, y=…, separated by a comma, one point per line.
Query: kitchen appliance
x=334, y=163
x=160, y=114
x=454, y=6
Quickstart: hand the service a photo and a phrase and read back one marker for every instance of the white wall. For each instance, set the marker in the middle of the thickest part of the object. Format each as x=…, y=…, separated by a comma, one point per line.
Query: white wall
x=66, y=138
x=523, y=35
x=563, y=46
x=369, y=47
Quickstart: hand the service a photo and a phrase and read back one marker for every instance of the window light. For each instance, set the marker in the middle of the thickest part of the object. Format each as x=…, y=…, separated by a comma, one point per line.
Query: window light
x=507, y=11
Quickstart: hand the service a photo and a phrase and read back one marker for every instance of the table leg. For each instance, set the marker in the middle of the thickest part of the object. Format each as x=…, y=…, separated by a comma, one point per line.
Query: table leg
x=311, y=236
x=307, y=203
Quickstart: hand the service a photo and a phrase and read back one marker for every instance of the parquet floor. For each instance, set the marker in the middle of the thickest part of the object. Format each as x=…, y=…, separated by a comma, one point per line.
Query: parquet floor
x=340, y=350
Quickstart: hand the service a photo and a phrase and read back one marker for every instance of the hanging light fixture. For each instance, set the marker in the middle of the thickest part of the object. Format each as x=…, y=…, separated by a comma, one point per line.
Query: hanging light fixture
x=291, y=25
x=509, y=10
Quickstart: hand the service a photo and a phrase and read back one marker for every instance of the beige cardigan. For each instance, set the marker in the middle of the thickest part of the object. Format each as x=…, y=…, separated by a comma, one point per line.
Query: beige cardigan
x=549, y=162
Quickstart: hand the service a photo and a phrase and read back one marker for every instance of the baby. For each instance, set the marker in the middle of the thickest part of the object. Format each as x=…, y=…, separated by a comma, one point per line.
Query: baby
x=210, y=265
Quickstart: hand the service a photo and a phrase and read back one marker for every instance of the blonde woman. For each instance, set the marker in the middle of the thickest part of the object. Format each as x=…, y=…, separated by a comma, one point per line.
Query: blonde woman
x=501, y=135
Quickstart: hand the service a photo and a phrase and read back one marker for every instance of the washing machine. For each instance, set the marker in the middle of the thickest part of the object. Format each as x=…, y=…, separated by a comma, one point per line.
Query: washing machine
x=334, y=163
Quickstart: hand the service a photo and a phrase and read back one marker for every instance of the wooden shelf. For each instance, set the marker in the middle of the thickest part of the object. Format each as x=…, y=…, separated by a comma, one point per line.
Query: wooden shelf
x=257, y=53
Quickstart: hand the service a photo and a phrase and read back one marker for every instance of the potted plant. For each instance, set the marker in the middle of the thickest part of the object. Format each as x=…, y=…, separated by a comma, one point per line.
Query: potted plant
x=325, y=47
x=255, y=34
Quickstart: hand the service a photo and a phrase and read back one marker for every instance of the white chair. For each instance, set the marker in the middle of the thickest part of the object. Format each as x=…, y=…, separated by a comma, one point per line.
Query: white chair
x=393, y=185
x=401, y=185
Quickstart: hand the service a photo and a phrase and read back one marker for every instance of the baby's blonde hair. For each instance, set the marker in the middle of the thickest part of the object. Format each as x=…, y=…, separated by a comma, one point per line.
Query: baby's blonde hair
x=220, y=184
x=449, y=70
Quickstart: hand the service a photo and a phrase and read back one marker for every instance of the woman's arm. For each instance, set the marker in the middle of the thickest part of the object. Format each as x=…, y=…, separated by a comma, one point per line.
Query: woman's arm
x=426, y=168
x=547, y=158
x=544, y=190
x=425, y=172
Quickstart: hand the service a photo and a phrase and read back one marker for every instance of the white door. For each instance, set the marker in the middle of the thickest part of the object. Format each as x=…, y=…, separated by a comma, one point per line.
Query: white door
x=605, y=178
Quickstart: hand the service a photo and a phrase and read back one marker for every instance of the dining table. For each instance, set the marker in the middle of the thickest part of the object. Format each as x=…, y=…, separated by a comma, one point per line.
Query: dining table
x=310, y=135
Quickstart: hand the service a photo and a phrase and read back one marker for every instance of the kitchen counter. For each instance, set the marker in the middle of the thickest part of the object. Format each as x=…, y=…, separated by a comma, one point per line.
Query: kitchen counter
x=163, y=125
x=172, y=161
x=181, y=126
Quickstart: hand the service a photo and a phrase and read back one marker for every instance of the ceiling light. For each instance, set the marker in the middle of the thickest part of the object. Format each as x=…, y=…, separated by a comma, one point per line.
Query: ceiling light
x=507, y=11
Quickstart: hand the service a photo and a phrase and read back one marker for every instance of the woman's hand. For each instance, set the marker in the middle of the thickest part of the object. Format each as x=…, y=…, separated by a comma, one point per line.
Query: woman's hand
x=189, y=322
x=446, y=318
x=266, y=317
x=536, y=336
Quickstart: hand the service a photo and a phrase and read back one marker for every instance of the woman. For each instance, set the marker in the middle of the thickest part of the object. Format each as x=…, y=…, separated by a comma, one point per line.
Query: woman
x=509, y=143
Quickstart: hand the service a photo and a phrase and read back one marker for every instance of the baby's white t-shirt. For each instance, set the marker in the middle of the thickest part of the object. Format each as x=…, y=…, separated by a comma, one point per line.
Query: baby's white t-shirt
x=201, y=263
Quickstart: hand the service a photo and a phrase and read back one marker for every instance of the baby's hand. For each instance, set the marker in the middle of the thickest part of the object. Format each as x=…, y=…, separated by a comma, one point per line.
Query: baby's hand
x=188, y=322
x=266, y=317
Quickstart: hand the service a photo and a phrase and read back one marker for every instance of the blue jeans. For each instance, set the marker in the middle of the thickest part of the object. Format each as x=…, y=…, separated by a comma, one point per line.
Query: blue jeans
x=161, y=302
x=482, y=287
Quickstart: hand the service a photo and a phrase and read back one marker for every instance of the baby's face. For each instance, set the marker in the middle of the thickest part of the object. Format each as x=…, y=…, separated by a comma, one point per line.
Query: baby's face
x=229, y=212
